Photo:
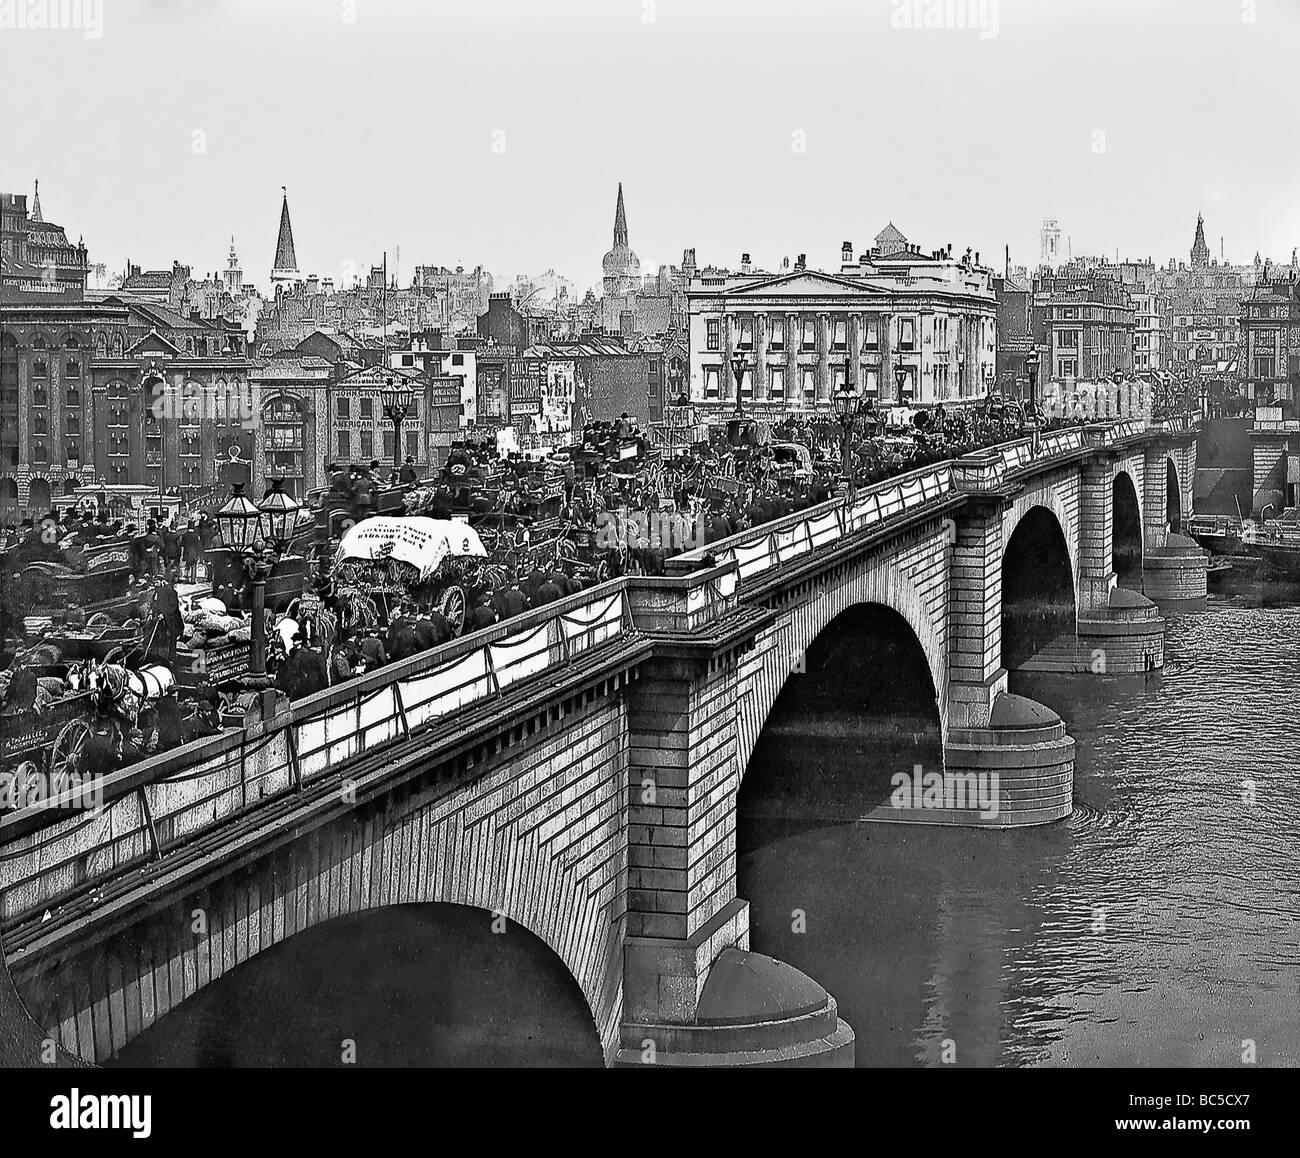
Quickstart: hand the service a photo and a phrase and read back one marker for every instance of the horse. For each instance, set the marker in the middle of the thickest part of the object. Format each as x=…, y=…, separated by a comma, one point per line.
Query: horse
x=125, y=695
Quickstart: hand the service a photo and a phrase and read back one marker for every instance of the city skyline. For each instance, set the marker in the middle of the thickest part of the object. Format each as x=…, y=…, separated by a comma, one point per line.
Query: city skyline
x=532, y=162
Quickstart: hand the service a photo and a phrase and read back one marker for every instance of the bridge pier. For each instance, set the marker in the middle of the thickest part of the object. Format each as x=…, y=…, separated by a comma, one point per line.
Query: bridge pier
x=693, y=993
x=1173, y=566
x=1012, y=750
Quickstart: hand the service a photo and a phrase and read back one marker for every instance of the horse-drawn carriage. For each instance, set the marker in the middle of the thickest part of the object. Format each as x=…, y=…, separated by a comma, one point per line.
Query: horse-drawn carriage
x=97, y=579
x=43, y=749
x=384, y=562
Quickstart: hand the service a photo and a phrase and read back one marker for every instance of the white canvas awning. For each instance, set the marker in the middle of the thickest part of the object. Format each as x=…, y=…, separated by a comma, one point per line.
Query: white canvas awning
x=421, y=542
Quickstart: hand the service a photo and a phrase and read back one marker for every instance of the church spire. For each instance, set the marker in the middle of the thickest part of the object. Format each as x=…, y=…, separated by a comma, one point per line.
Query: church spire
x=286, y=261
x=1200, y=251
x=620, y=221
x=36, y=203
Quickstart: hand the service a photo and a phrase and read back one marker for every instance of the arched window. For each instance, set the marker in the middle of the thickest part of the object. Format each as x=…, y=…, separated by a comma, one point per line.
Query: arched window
x=40, y=369
x=39, y=344
x=71, y=342
x=101, y=345
x=40, y=423
x=117, y=345
x=73, y=368
x=40, y=395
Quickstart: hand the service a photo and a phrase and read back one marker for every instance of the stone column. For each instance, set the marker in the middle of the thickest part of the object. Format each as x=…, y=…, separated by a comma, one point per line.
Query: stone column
x=1096, y=536
x=760, y=357
x=1174, y=567
x=727, y=384
x=975, y=672
x=1014, y=749
x=887, y=387
x=685, y=923
x=823, y=357
x=793, y=336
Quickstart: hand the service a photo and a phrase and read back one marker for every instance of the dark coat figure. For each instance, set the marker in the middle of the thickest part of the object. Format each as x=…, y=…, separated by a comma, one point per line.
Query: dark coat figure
x=401, y=641
x=302, y=674
x=340, y=665
x=480, y=616
x=547, y=592
x=510, y=602
x=372, y=651
x=432, y=630
x=408, y=473
x=191, y=551
x=170, y=623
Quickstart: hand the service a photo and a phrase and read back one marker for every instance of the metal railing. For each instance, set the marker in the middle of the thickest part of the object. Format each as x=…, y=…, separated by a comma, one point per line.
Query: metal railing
x=167, y=801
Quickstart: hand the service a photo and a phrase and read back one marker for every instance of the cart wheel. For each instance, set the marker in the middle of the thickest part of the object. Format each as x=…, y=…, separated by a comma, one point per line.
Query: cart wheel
x=30, y=785
x=68, y=752
x=452, y=606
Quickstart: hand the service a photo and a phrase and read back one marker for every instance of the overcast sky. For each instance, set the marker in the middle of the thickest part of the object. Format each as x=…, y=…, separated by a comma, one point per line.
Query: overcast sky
x=496, y=131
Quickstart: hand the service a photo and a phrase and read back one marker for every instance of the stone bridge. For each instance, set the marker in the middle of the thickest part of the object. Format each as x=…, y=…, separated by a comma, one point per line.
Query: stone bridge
x=577, y=769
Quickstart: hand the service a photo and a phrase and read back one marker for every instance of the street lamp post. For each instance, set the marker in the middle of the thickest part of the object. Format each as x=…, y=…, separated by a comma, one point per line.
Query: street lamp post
x=1031, y=368
x=738, y=370
x=396, y=399
x=847, y=402
x=900, y=380
x=237, y=523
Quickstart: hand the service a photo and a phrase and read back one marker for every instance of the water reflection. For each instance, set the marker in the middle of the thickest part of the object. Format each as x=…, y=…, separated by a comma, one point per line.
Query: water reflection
x=1157, y=926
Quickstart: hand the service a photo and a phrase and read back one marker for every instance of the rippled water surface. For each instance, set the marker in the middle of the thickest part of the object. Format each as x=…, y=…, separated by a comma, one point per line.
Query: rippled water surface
x=1156, y=926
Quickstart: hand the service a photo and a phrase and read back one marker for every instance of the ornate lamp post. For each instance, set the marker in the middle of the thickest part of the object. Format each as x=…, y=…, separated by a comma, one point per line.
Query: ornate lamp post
x=397, y=398
x=846, y=402
x=1031, y=368
x=277, y=516
x=237, y=523
x=738, y=370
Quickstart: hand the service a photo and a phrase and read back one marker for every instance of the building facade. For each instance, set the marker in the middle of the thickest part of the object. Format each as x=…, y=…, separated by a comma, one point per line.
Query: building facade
x=36, y=258
x=117, y=392
x=1086, y=326
x=897, y=325
x=1270, y=322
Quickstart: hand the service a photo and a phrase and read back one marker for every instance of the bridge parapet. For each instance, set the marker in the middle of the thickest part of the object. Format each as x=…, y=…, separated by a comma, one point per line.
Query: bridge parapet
x=48, y=855
x=683, y=603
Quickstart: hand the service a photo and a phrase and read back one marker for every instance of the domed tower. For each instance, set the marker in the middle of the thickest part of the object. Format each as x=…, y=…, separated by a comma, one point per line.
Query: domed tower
x=622, y=266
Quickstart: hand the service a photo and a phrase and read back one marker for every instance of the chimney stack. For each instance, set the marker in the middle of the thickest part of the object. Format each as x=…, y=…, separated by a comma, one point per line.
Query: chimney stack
x=846, y=252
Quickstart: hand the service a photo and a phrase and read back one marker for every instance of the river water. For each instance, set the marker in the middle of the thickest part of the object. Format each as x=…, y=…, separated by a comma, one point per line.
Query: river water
x=1156, y=926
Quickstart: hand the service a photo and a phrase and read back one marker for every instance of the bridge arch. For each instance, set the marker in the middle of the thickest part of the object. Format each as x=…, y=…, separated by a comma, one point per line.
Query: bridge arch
x=422, y=981
x=861, y=707
x=1126, y=528
x=452, y=850
x=1039, y=580
x=878, y=583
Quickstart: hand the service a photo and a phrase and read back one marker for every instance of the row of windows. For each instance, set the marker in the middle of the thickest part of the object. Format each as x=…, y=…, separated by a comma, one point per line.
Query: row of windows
x=807, y=331
x=41, y=397
x=777, y=381
x=71, y=368
x=366, y=409
x=366, y=444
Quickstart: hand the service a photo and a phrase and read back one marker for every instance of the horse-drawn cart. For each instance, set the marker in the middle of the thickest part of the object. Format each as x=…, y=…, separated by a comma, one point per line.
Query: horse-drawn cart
x=43, y=753
x=383, y=562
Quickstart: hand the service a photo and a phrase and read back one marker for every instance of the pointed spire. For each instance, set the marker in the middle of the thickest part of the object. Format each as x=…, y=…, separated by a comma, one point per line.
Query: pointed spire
x=620, y=220
x=286, y=261
x=1200, y=251
x=36, y=203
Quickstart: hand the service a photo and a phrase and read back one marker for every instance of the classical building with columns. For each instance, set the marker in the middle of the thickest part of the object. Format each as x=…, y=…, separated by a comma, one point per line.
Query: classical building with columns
x=800, y=332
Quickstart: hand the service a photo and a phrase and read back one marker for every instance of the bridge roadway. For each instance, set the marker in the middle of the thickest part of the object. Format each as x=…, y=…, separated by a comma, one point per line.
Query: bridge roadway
x=577, y=768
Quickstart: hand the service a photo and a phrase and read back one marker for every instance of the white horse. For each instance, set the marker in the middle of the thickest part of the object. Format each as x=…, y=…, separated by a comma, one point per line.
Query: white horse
x=126, y=693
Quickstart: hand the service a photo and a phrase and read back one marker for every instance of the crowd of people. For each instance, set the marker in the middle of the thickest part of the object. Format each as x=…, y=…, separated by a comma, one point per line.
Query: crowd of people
x=609, y=504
